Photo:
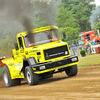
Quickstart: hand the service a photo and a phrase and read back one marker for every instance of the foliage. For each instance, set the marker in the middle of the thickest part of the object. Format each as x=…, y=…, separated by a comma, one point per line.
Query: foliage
x=65, y=18
x=96, y=27
x=67, y=23
x=71, y=33
x=82, y=10
x=7, y=39
x=82, y=51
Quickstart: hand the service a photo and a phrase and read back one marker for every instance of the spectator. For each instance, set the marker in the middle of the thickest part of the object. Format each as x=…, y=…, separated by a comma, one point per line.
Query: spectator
x=80, y=44
x=92, y=48
x=97, y=39
x=93, y=43
x=74, y=47
x=88, y=47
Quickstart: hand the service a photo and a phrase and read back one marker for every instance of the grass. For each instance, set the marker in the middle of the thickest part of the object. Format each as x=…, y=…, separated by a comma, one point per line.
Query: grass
x=0, y=71
x=93, y=59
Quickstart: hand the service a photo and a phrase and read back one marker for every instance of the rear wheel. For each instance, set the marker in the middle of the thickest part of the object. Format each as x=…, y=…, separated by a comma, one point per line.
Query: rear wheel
x=31, y=77
x=71, y=71
x=7, y=78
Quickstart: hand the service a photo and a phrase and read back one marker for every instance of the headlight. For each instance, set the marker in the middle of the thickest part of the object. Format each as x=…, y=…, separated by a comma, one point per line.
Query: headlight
x=42, y=67
x=66, y=52
x=74, y=59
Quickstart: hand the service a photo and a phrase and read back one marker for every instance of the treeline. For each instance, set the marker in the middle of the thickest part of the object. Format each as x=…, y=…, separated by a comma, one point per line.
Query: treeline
x=71, y=16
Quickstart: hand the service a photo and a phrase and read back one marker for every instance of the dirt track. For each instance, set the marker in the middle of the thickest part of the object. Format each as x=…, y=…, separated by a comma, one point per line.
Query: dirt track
x=84, y=86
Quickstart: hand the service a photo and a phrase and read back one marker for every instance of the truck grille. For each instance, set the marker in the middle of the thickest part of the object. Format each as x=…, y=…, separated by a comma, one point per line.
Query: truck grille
x=56, y=52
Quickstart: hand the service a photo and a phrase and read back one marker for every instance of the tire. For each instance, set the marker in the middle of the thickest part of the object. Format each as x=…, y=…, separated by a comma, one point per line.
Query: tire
x=7, y=78
x=71, y=71
x=32, y=78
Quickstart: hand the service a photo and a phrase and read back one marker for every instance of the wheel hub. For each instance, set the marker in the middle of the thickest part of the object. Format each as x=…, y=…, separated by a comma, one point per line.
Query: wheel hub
x=5, y=77
x=28, y=77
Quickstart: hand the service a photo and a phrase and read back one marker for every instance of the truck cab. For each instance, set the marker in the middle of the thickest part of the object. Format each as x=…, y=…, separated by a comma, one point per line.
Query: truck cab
x=88, y=36
x=39, y=53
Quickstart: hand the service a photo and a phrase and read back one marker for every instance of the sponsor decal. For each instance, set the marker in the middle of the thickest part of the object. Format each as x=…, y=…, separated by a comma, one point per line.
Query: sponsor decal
x=60, y=53
x=11, y=64
x=34, y=50
x=18, y=66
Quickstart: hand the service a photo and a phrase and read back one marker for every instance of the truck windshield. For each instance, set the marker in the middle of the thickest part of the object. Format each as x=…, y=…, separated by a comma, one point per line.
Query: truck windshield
x=42, y=37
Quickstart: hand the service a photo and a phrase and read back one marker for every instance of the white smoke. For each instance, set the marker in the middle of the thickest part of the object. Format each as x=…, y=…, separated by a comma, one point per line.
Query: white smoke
x=95, y=17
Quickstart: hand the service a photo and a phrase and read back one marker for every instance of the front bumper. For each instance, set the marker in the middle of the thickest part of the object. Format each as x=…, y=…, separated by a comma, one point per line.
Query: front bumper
x=59, y=64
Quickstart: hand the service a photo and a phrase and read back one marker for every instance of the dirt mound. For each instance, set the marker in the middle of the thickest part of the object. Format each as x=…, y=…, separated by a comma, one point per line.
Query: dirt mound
x=1, y=83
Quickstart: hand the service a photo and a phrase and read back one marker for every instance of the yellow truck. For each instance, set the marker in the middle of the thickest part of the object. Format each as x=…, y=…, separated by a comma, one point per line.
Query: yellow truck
x=38, y=54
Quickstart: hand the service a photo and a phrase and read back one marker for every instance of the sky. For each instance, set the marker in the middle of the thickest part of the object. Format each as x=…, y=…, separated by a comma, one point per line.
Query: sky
x=97, y=2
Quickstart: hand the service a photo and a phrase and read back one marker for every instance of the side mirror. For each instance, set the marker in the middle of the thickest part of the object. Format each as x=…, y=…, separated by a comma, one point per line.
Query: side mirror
x=16, y=46
x=62, y=39
x=64, y=35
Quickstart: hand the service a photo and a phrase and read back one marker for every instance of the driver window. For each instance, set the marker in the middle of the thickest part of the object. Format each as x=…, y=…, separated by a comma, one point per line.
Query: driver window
x=20, y=42
x=85, y=37
x=89, y=37
x=26, y=42
x=49, y=34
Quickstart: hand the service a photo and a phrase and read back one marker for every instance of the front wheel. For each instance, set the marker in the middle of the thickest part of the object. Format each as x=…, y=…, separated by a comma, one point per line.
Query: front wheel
x=31, y=77
x=7, y=78
x=71, y=71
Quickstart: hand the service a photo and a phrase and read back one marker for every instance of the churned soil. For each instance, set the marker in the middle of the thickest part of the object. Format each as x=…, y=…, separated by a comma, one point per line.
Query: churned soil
x=84, y=86
x=1, y=83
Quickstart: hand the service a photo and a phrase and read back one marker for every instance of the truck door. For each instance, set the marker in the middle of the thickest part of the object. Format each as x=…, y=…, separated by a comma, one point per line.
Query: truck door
x=21, y=49
x=18, y=53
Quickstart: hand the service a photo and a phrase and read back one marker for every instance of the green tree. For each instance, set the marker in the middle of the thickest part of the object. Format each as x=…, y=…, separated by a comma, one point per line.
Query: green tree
x=82, y=10
x=67, y=23
x=66, y=18
x=71, y=33
x=96, y=27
